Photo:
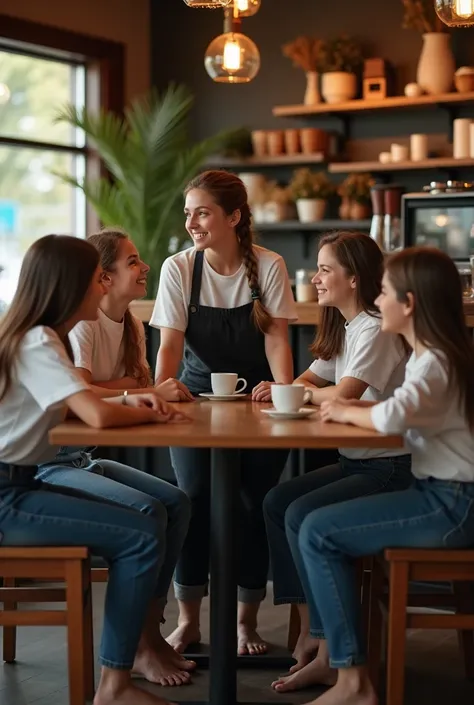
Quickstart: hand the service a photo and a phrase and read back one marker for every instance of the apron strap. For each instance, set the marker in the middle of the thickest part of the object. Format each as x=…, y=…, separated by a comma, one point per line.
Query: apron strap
x=197, y=277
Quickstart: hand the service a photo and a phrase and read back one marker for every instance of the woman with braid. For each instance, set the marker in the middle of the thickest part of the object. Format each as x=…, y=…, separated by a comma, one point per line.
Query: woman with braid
x=226, y=304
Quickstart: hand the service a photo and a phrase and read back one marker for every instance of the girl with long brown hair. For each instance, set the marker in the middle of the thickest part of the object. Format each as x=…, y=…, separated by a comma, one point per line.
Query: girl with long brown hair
x=354, y=359
x=110, y=354
x=421, y=299
x=61, y=284
x=225, y=303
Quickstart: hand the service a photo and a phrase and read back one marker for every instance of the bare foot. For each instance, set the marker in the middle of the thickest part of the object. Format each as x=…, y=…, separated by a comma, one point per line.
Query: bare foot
x=129, y=695
x=177, y=659
x=305, y=651
x=344, y=694
x=156, y=666
x=249, y=641
x=183, y=636
x=317, y=672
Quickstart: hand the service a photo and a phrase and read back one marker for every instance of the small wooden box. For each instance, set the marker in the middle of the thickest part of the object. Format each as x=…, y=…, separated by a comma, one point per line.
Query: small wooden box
x=377, y=80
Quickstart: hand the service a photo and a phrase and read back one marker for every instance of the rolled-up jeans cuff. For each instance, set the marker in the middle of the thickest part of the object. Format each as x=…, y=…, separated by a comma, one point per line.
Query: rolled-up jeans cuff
x=317, y=633
x=189, y=593
x=357, y=660
x=251, y=595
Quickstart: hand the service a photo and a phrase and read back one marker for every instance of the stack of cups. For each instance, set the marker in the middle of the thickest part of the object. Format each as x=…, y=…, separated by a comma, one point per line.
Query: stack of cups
x=461, y=138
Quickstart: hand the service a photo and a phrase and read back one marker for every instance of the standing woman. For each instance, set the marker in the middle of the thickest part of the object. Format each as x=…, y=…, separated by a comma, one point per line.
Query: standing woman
x=226, y=303
x=60, y=284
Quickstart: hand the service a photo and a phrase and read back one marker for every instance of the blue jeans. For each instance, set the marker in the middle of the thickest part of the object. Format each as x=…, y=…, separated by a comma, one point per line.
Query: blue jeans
x=287, y=505
x=107, y=479
x=431, y=514
x=36, y=514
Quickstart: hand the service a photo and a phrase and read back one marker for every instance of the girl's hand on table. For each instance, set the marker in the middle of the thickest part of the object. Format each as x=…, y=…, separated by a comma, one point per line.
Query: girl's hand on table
x=173, y=390
x=164, y=411
x=335, y=410
x=262, y=392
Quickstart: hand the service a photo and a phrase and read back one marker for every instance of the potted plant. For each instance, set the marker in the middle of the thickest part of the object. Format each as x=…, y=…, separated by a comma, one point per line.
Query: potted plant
x=150, y=160
x=310, y=190
x=341, y=59
x=306, y=53
x=355, y=194
x=436, y=66
x=278, y=205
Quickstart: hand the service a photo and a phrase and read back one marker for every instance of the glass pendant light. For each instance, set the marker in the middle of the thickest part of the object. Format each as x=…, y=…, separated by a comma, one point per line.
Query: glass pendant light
x=247, y=8
x=455, y=13
x=232, y=57
x=208, y=4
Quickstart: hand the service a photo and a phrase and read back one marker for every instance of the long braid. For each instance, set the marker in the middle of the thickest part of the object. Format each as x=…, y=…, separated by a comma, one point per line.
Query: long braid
x=260, y=315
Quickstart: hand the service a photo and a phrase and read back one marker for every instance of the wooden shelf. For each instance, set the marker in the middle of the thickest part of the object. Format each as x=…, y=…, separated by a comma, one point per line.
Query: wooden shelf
x=353, y=106
x=297, y=226
x=435, y=163
x=280, y=160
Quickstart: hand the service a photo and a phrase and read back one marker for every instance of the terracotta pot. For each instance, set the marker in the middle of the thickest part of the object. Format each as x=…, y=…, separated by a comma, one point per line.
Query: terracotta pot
x=313, y=140
x=345, y=209
x=338, y=86
x=259, y=143
x=292, y=141
x=358, y=211
x=275, y=141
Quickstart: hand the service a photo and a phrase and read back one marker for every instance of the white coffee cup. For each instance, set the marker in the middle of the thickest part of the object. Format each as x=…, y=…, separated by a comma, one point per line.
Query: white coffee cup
x=225, y=383
x=289, y=397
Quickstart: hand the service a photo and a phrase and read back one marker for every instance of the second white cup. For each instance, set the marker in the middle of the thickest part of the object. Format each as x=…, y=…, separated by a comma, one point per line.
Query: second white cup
x=289, y=397
x=225, y=383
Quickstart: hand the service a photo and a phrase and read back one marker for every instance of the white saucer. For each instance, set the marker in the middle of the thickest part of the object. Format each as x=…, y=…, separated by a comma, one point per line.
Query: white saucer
x=301, y=414
x=223, y=397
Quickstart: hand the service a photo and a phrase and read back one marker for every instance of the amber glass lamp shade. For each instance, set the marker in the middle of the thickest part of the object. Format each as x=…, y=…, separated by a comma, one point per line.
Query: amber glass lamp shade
x=455, y=13
x=247, y=8
x=208, y=4
x=232, y=58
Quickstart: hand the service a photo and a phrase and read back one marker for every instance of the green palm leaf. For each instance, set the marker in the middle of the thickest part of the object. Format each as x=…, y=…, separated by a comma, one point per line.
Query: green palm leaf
x=150, y=159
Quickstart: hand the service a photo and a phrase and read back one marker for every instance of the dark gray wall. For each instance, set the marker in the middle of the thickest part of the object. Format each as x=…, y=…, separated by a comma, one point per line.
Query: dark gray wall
x=180, y=36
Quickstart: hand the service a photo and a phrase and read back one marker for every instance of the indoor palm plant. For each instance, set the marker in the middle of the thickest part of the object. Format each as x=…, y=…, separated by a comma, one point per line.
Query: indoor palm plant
x=150, y=159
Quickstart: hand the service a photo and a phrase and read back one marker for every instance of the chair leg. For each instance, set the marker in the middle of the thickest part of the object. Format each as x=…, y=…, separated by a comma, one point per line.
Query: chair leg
x=9, y=633
x=464, y=596
x=88, y=631
x=76, y=632
x=375, y=623
x=397, y=620
x=294, y=628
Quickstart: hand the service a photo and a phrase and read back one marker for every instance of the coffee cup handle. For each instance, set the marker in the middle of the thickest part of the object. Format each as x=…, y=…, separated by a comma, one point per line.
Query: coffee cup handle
x=308, y=396
x=241, y=379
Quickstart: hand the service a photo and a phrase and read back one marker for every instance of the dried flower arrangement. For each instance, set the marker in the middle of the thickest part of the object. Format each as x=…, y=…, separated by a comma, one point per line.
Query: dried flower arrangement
x=356, y=187
x=305, y=52
x=341, y=54
x=421, y=16
x=310, y=184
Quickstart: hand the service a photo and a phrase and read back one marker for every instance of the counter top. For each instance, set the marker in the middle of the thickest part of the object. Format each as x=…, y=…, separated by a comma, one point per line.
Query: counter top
x=309, y=314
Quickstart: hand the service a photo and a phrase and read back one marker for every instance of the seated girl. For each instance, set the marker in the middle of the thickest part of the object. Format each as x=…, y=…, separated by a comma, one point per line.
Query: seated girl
x=61, y=284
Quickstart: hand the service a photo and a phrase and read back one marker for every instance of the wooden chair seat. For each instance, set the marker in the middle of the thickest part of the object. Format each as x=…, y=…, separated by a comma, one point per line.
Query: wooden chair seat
x=68, y=564
x=398, y=567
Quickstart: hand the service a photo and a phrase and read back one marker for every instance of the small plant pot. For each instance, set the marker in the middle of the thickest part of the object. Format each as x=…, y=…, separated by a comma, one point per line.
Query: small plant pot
x=310, y=210
x=359, y=211
x=345, y=209
x=338, y=86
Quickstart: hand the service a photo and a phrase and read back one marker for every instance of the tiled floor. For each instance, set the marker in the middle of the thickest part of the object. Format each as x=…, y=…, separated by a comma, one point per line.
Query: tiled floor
x=434, y=670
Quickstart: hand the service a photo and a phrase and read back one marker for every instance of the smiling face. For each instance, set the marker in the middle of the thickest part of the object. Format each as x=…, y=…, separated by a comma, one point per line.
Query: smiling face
x=334, y=285
x=206, y=222
x=128, y=278
x=396, y=315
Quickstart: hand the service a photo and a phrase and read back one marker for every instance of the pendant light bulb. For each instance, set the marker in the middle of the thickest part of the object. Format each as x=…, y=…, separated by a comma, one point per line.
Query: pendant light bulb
x=208, y=4
x=455, y=13
x=232, y=58
x=247, y=8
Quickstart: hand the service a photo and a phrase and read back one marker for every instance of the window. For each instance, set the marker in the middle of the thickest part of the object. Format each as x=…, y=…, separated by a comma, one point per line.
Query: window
x=34, y=201
x=41, y=69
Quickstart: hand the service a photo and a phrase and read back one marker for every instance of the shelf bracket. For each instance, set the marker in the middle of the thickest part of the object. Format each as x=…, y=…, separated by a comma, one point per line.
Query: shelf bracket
x=345, y=124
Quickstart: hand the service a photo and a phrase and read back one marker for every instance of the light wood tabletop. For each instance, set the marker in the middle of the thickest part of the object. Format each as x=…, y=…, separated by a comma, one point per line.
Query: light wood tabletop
x=234, y=424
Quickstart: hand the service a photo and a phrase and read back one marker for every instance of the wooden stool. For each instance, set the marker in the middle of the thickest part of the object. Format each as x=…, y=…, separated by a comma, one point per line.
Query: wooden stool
x=403, y=566
x=68, y=564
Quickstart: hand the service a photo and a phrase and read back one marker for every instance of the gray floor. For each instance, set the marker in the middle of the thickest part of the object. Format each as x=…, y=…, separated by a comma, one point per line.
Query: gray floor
x=434, y=669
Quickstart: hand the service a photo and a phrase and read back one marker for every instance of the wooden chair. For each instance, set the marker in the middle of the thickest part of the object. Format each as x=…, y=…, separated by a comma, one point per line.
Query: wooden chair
x=68, y=564
x=400, y=566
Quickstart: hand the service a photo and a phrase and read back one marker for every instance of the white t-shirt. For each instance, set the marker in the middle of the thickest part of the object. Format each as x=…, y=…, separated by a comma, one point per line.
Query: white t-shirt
x=43, y=378
x=218, y=291
x=429, y=413
x=98, y=347
x=374, y=357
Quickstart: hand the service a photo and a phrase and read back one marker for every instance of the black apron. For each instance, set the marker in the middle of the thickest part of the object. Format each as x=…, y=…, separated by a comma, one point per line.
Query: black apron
x=221, y=340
